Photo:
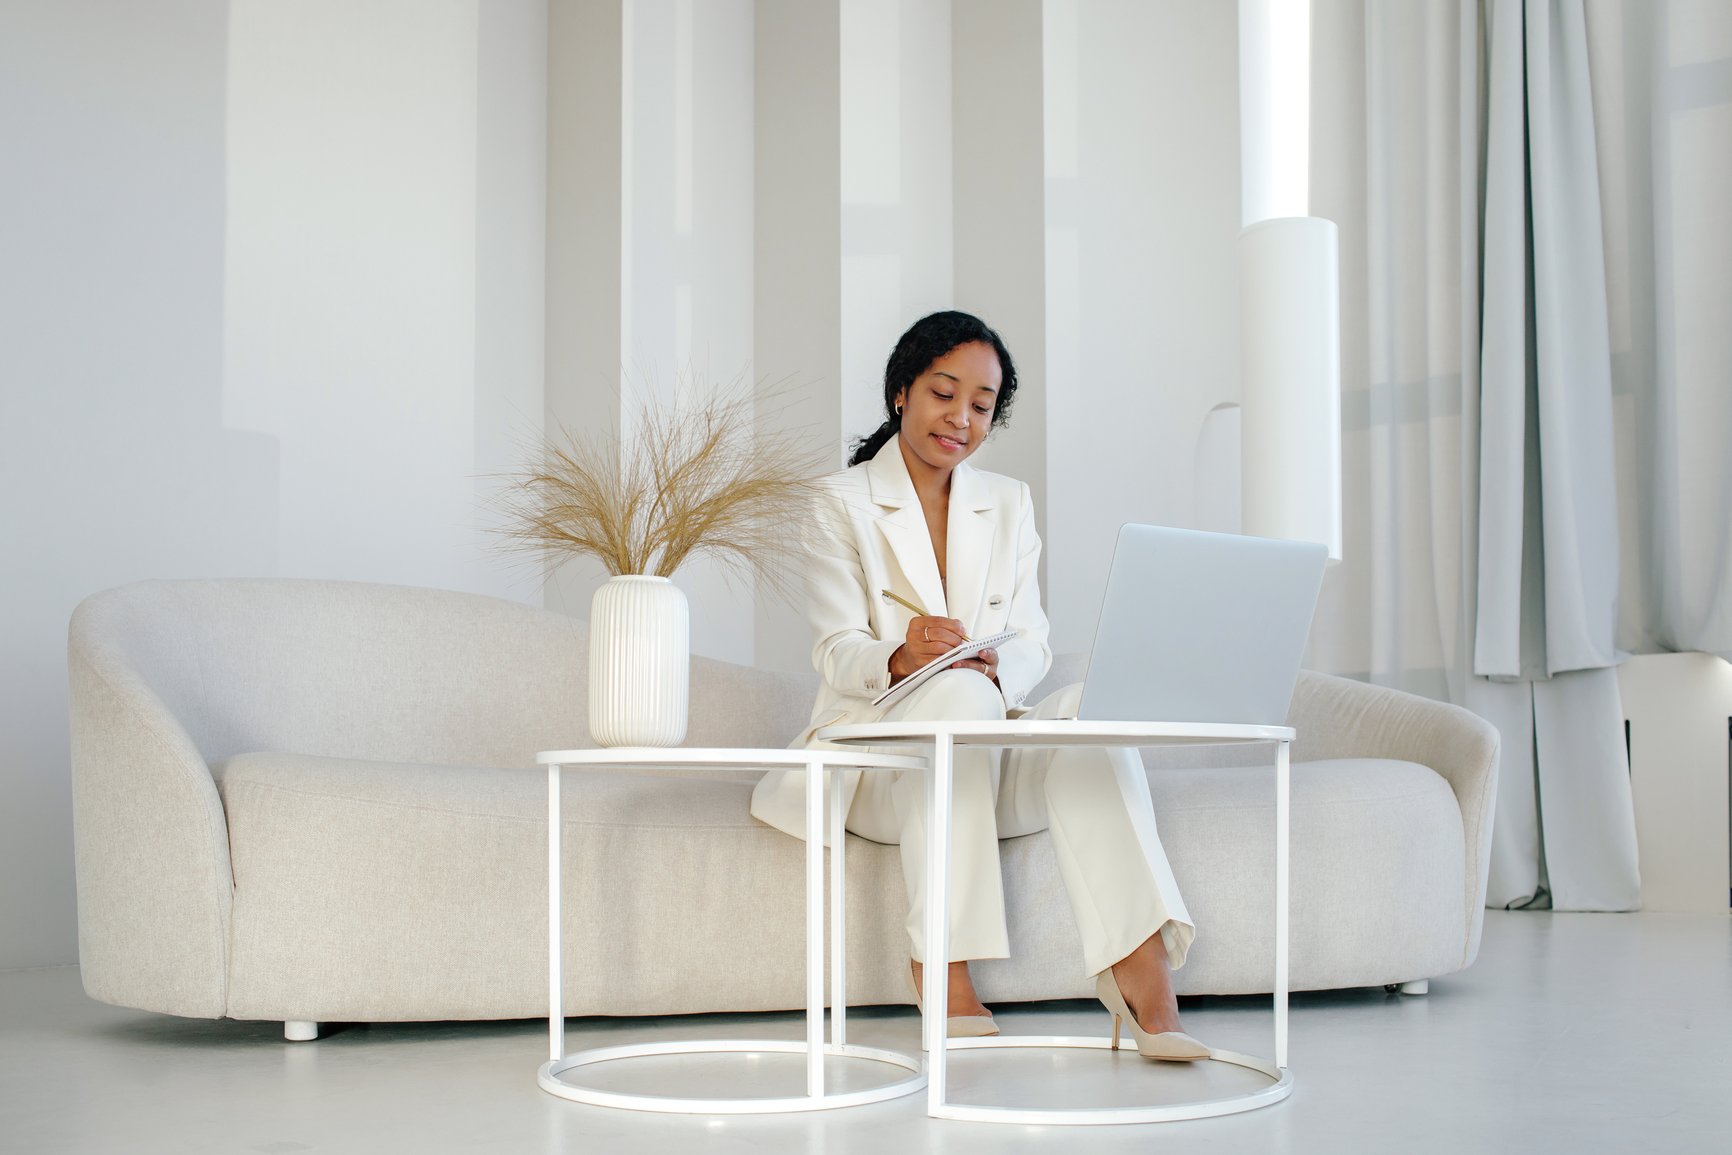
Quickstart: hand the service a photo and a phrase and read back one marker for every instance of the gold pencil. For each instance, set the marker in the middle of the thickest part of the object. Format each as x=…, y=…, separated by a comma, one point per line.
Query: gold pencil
x=905, y=602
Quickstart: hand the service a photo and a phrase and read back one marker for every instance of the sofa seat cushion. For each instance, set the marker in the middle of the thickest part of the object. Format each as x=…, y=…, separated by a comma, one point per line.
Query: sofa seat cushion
x=1376, y=858
x=372, y=891
x=1377, y=854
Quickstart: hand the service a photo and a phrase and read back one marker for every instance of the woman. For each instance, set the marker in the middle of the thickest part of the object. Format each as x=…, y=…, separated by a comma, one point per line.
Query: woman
x=911, y=518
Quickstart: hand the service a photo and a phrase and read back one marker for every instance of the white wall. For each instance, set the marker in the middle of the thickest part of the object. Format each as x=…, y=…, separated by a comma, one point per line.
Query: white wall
x=511, y=246
x=1142, y=215
x=797, y=259
x=350, y=294
x=584, y=221
x=854, y=211
x=264, y=314
x=896, y=187
x=686, y=324
x=116, y=464
x=650, y=253
x=999, y=105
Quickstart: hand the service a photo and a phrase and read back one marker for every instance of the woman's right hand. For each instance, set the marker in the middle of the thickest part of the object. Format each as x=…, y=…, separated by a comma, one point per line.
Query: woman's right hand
x=928, y=638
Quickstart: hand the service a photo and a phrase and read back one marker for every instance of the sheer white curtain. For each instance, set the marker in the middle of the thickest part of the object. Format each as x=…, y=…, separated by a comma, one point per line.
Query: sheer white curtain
x=1535, y=390
x=1662, y=91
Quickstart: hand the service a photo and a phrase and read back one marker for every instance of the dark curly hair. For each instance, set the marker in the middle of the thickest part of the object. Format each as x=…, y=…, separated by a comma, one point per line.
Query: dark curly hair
x=926, y=341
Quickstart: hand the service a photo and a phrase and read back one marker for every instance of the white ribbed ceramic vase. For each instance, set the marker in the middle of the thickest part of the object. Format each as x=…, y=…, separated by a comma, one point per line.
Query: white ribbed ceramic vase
x=639, y=662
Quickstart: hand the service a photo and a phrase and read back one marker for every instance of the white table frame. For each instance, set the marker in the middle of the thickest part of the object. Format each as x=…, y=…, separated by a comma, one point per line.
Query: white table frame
x=943, y=738
x=815, y=763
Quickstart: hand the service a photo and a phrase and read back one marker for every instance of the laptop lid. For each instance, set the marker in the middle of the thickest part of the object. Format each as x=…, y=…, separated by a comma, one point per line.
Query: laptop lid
x=1201, y=627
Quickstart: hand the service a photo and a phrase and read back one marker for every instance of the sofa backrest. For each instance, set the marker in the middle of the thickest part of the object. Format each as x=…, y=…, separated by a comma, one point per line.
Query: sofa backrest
x=393, y=673
x=1065, y=670
x=734, y=705
x=397, y=673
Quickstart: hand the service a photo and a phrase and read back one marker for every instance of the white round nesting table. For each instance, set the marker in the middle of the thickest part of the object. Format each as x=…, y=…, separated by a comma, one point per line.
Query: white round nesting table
x=941, y=739
x=911, y=1074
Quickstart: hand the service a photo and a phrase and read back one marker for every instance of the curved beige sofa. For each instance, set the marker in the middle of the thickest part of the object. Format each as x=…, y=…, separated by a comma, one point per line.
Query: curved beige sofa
x=306, y=800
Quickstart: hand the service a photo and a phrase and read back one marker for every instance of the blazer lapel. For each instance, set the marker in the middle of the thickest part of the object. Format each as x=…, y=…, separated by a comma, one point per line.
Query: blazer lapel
x=903, y=524
x=969, y=534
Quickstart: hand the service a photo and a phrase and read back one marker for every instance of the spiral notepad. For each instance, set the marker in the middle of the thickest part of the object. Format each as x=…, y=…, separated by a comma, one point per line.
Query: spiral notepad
x=942, y=662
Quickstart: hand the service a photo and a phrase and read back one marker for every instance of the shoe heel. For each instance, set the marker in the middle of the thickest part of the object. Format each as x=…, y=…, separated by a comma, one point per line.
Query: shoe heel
x=1170, y=1045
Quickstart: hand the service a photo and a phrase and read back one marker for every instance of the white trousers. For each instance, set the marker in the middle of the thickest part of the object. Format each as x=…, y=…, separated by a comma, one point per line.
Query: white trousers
x=1094, y=800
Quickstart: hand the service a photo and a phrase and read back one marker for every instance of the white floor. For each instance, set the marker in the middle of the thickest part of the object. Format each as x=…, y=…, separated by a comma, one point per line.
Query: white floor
x=1571, y=1033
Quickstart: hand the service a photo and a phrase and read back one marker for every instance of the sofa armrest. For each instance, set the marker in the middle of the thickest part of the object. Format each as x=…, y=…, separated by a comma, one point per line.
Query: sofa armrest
x=150, y=842
x=1341, y=718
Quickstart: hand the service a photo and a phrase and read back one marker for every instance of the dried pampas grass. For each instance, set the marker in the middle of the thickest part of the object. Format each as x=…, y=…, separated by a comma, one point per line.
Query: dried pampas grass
x=705, y=477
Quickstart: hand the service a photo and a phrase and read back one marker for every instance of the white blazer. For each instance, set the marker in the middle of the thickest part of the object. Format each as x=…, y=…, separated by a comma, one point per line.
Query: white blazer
x=870, y=535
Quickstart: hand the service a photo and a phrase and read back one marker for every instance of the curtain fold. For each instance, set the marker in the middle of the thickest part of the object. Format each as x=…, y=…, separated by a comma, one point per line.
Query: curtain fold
x=1547, y=591
x=1587, y=820
x=1481, y=501
x=1548, y=556
x=1511, y=586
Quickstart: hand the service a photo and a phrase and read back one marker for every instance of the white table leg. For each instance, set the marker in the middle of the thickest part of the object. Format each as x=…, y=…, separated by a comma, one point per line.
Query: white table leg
x=838, y=915
x=935, y=973
x=555, y=927
x=815, y=929
x=1282, y=816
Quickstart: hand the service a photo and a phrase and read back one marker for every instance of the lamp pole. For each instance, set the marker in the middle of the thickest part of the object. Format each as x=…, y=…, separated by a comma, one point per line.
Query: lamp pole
x=1289, y=292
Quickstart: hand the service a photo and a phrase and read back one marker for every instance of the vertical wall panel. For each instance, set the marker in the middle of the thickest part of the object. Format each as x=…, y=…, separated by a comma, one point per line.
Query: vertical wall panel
x=510, y=253
x=1143, y=314
x=114, y=462
x=797, y=273
x=999, y=130
x=349, y=325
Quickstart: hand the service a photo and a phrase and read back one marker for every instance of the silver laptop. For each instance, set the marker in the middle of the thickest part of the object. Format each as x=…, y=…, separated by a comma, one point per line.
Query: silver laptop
x=1201, y=627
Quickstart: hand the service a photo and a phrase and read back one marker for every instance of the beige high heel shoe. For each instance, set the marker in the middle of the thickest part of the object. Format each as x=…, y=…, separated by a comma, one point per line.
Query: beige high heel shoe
x=956, y=1026
x=1173, y=1046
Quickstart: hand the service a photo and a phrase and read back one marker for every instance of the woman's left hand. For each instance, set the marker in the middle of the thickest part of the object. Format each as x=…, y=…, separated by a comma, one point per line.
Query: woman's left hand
x=986, y=661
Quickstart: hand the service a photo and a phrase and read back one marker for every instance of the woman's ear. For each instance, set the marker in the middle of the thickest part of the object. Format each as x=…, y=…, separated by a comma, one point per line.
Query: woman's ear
x=901, y=400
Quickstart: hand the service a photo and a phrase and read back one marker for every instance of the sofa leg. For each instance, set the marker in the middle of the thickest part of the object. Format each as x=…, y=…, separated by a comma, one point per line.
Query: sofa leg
x=300, y=1030
x=1416, y=987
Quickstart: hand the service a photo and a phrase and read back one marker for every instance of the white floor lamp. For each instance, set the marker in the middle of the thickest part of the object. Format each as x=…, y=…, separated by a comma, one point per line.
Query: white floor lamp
x=1289, y=419
x=1290, y=384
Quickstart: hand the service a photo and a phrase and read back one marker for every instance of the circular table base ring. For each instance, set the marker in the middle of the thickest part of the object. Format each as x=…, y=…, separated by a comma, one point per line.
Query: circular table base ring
x=1279, y=1089
x=553, y=1084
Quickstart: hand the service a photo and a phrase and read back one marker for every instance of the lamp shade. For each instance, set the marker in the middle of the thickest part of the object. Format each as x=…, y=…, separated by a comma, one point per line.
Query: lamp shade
x=1290, y=391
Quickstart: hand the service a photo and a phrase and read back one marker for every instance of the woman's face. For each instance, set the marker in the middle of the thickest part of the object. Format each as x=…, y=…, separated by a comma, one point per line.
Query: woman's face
x=948, y=410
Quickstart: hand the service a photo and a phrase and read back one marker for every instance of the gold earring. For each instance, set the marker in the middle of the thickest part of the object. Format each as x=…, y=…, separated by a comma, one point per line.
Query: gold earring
x=899, y=409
